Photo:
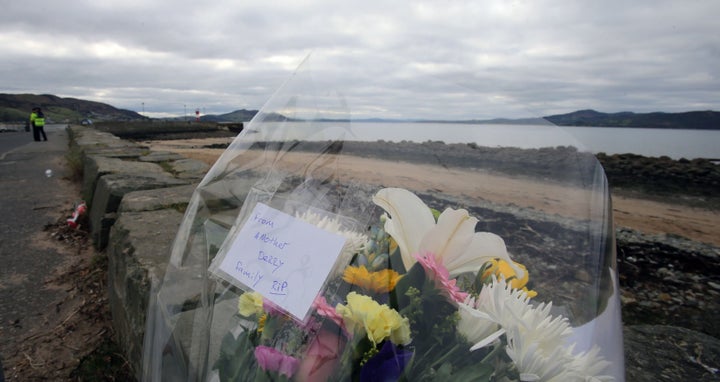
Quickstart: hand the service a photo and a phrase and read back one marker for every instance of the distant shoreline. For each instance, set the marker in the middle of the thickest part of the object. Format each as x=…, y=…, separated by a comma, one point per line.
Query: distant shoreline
x=16, y=108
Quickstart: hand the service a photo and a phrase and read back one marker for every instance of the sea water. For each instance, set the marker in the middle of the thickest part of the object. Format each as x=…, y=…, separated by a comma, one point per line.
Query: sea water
x=673, y=143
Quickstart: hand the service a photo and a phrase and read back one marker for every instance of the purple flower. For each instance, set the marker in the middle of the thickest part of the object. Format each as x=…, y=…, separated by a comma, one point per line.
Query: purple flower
x=271, y=359
x=387, y=365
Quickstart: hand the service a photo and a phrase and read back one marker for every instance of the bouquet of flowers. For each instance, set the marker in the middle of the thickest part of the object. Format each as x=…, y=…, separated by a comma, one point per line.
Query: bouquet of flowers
x=422, y=297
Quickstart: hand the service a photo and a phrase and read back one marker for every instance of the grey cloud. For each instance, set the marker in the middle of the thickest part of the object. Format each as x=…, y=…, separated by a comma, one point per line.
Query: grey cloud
x=406, y=60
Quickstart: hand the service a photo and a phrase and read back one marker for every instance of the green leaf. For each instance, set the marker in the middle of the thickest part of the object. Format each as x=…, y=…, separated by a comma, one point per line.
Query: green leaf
x=415, y=277
x=474, y=373
x=237, y=358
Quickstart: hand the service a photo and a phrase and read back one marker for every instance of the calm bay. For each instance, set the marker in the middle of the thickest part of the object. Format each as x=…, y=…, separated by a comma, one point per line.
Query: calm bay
x=651, y=142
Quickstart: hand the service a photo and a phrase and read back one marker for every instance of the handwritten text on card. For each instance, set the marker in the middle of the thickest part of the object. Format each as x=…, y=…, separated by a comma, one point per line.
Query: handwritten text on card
x=285, y=259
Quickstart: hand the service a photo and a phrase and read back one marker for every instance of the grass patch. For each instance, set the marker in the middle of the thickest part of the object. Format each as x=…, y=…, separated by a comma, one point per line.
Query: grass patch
x=167, y=167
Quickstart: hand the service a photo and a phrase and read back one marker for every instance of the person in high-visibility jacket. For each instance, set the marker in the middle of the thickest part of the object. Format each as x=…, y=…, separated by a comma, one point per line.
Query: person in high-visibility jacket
x=37, y=121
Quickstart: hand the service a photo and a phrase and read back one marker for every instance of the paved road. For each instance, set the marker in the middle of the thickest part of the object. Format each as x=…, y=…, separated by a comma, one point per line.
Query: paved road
x=28, y=201
x=12, y=140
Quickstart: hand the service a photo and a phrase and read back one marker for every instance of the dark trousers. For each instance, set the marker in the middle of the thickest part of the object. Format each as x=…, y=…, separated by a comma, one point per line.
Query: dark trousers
x=37, y=131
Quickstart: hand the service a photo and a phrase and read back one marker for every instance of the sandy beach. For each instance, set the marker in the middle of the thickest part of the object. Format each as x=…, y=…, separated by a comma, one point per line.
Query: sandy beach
x=641, y=214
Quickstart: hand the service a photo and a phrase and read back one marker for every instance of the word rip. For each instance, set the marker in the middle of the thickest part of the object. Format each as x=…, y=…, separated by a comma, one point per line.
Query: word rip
x=279, y=287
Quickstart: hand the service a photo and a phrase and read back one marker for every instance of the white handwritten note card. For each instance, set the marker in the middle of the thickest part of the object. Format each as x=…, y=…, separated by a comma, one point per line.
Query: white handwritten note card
x=285, y=259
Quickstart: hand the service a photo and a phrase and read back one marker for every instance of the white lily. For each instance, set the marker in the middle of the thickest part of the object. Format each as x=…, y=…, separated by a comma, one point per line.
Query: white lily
x=452, y=239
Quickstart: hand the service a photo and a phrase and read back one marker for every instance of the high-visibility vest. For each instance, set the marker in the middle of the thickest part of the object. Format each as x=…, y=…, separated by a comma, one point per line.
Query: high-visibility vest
x=37, y=120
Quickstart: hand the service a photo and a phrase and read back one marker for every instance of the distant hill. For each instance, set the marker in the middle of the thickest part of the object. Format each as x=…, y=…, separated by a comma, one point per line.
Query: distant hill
x=700, y=120
x=235, y=116
x=17, y=107
x=241, y=116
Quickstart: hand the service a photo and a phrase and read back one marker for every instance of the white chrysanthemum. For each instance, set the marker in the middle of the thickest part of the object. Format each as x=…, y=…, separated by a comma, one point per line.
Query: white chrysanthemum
x=592, y=363
x=535, y=340
x=475, y=327
x=354, y=241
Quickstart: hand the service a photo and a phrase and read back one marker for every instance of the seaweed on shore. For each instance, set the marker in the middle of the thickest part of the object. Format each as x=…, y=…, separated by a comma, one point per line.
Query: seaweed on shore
x=689, y=182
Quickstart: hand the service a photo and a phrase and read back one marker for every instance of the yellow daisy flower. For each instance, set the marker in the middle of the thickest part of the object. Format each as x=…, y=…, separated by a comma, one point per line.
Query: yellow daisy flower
x=261, y=322
x=503, y=269
x=381, y=281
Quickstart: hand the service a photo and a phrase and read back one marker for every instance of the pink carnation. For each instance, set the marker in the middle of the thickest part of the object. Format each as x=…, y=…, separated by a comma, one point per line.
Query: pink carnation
x=437, y=272
x=325, y=310
x=270, y=359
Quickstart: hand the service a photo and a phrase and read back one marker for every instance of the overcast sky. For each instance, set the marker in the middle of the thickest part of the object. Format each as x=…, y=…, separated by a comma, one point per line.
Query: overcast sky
x=395, y=59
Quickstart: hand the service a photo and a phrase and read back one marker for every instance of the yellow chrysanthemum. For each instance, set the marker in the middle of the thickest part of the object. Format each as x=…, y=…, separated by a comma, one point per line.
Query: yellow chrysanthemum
x=503, y=269
x=379, y=321
x=250, y=303
x=381, y=281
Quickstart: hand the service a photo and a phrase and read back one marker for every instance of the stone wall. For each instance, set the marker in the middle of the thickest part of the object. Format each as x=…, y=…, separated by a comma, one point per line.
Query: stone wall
x=136, y=199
